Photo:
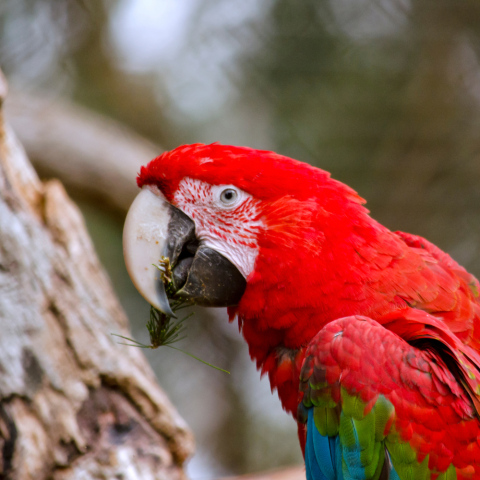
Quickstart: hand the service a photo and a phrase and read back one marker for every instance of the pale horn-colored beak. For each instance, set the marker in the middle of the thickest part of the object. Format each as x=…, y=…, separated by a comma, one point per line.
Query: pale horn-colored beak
x=145, y=237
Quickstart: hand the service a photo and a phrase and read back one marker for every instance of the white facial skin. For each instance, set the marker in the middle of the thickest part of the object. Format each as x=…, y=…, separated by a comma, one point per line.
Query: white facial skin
x=226, y=218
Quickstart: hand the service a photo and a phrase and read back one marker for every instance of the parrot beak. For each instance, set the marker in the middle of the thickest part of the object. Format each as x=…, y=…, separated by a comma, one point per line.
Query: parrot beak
x=160, y=246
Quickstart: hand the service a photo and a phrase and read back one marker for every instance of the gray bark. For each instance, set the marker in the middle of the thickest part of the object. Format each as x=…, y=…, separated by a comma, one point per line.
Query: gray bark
x=73, y=403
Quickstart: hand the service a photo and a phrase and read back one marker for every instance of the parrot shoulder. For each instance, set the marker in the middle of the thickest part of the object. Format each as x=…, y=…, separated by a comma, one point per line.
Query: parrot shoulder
x=430, y=251
x=446, y=289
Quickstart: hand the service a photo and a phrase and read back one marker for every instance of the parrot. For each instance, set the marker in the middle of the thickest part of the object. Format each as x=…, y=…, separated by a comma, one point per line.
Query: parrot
x=370, y=337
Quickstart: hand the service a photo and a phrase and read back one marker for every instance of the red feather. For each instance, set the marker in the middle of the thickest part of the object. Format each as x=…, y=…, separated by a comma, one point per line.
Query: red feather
x=433, y=413
x=321, y=258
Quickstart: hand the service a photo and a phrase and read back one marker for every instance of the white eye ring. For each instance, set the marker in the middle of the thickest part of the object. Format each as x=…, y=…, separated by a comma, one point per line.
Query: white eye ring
x=229, y=196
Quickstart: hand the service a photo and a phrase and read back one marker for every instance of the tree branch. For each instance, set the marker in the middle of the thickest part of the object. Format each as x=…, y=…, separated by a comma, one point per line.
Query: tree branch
x=92, y=155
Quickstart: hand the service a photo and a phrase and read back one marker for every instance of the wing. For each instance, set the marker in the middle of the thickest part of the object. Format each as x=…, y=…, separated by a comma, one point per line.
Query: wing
x=377, y=407
x=442, y=287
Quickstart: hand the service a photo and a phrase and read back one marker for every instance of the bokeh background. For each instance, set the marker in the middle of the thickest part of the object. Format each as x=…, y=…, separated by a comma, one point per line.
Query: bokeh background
x=384, y=94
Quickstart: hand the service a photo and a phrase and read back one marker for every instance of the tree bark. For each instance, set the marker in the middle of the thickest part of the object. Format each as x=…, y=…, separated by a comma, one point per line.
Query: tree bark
x=73, y=402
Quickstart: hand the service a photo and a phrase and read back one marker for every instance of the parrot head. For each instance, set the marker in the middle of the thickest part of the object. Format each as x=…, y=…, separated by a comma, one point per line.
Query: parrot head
x=248, y=229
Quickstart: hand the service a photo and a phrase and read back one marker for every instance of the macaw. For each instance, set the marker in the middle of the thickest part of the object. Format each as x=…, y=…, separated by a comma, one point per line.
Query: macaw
x=370, y=337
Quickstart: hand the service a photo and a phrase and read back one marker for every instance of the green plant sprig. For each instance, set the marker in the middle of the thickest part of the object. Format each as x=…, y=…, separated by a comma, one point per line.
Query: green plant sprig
x=163, y=332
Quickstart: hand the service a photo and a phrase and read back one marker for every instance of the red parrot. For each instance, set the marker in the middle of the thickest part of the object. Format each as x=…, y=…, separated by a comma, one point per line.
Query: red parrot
x=370, y=337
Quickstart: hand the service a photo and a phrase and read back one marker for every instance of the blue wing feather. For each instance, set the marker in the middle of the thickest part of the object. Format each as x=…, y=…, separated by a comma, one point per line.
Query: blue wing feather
x=323, y=457
x=311, y=463
x=322, y=454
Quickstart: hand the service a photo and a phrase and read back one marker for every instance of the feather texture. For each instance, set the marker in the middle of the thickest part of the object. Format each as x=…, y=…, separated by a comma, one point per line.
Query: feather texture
x=392, y=397
x=386, y=325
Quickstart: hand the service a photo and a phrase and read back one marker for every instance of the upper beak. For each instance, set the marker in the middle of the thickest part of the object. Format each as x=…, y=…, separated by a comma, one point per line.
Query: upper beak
x=155, y=231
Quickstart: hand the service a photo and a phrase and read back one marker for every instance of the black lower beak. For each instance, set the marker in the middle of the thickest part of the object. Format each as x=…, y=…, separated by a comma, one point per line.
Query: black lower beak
x=210, y=279
x=201, y=275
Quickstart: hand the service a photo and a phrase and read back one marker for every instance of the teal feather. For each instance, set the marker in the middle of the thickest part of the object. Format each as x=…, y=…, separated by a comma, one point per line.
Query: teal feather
x=354, y=454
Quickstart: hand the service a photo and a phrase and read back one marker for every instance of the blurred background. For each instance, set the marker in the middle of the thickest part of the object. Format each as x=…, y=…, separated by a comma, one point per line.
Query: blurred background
x=384, y=94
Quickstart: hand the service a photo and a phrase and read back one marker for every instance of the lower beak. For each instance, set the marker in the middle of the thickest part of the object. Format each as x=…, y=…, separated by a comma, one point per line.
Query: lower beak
x=160, y=248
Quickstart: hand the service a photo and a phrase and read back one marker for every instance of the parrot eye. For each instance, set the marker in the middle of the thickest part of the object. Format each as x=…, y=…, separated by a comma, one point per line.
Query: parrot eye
x=228, y=196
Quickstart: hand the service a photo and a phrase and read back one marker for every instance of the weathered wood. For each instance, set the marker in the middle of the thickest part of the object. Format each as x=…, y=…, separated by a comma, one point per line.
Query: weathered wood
x=73, y=403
